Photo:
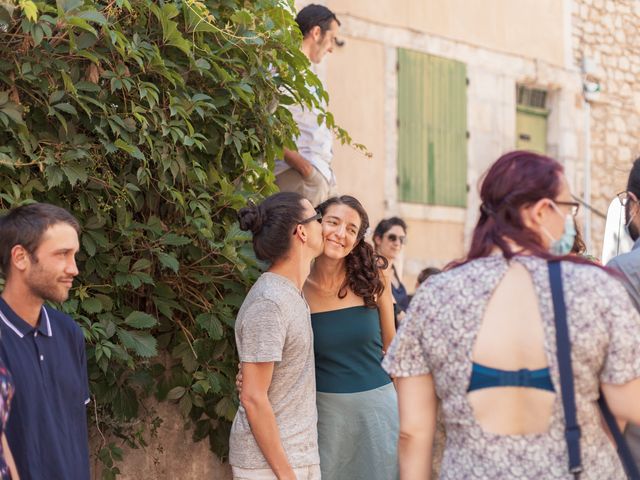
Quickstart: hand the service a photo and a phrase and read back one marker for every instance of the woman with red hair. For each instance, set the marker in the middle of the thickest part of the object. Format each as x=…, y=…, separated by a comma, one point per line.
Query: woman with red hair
x=481, y=337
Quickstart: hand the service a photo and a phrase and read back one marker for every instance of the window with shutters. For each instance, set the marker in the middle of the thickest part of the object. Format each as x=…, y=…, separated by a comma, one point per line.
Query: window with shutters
x=531, y=119
x=432, y=130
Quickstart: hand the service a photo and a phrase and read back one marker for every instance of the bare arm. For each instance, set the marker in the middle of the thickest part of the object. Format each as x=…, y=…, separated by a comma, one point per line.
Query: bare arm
x=385, y=308
x=417, y=406
x=8, y=457
x=623, y=400
x=298, y=163
x=256, y=378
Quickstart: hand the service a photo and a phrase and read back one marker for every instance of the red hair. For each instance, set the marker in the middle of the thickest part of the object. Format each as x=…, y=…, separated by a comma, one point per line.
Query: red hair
x=516, y=180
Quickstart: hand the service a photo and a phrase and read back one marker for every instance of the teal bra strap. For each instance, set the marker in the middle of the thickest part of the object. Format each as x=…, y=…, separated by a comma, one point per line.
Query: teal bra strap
x=487, y=377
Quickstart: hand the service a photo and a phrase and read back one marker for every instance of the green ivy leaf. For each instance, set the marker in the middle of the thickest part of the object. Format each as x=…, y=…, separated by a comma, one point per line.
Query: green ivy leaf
x=211, y=324
x=226, y=409
x=30, y=10
x=66, y=107
x=92, y=16
x=75, y=173
x=176, y=393
x=142, y=344
x=13, y=111
x=91, y=305
x=139, y=319
x=168, y=261
x=130, y=149
x=175, y=240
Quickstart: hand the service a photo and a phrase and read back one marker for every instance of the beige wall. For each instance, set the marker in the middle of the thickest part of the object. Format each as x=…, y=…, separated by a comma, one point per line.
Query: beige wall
x=531, y=28
x=354, y=80
x=432, y=244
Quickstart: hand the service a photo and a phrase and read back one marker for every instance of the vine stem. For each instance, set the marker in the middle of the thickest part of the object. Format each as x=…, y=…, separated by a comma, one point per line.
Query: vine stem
x=95, y=410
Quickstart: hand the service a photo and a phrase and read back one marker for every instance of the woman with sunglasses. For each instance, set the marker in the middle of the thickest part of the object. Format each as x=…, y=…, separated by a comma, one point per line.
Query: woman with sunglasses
x=352, y=320
x=389, y=238
x=484, y=339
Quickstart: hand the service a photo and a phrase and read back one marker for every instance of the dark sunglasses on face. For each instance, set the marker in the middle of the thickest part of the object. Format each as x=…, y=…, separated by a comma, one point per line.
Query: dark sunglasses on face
x=395, y=238
x=317, y=217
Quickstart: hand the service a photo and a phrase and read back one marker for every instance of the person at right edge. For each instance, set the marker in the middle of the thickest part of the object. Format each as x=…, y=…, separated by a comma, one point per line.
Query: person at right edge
x=629, y=265
x=307, y=170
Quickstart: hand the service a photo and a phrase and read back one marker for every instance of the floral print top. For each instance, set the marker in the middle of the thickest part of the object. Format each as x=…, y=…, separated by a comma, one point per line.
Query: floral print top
x=6, y=394
x=438, y=334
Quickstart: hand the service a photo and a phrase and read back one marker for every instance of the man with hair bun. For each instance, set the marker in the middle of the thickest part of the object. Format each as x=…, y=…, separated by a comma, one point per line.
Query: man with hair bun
x=274, y=434
x=307, y=170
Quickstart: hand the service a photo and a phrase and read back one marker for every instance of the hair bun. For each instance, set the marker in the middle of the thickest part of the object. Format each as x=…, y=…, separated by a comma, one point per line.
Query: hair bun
x=251, y=218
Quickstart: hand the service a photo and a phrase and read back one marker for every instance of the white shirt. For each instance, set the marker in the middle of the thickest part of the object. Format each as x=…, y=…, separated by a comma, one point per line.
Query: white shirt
x=314, y=142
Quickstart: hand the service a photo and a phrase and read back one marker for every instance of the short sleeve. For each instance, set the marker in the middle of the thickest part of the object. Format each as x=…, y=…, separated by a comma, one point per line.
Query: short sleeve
x=407, y=354
x=262, y=333
x=622, y=362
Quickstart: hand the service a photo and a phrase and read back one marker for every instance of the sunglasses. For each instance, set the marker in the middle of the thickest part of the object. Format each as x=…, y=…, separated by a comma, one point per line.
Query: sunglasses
x=392, y=237
x=317, y=217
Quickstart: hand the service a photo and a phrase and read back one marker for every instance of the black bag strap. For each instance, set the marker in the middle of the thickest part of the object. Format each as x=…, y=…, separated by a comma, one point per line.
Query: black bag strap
x=628, y=462
x=563, y=352
x=572, y=430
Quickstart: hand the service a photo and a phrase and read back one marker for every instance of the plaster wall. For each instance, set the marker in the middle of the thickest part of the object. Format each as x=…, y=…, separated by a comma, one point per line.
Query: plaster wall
x=529, y=28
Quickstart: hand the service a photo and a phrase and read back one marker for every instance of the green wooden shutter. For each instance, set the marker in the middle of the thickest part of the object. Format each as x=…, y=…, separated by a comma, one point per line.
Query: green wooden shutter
x=432, y=129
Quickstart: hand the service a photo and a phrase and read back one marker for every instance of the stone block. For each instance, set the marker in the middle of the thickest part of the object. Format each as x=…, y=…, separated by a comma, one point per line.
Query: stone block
x=623, y=63
x=611, y=139
x=619, y=124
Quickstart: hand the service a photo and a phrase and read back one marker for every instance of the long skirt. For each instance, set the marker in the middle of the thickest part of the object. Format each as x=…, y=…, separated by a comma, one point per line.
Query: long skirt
x=358, y=434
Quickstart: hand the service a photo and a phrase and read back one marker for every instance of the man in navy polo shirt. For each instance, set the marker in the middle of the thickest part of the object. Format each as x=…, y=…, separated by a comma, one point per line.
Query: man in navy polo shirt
x=42, y=347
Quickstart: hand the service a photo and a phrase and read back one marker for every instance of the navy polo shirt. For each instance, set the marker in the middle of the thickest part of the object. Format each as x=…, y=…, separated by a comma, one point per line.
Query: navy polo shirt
x=47, y=426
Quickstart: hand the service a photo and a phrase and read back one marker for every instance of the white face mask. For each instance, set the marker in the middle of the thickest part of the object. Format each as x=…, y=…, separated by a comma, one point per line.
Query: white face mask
x=564, y=244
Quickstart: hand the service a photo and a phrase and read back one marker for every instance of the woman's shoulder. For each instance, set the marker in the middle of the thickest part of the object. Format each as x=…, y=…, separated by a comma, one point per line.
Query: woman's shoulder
x=589, y=274
x=470, y=269
x=461, y=284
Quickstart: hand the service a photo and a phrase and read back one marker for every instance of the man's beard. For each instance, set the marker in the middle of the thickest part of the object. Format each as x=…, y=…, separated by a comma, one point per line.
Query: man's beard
x=43, y=285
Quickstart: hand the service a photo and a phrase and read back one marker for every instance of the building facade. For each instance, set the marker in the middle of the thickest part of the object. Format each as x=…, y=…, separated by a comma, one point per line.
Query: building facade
x=438, y=90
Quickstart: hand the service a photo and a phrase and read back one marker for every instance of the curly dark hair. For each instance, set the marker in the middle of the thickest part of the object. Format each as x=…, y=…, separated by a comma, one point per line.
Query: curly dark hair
x=364, y=276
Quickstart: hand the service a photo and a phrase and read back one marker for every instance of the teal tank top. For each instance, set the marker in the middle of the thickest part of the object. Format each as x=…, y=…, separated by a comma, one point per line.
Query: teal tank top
x=348, y=350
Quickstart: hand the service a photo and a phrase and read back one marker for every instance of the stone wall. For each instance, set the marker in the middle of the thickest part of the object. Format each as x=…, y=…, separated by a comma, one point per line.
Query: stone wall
x=608, y=31
x=171, y=455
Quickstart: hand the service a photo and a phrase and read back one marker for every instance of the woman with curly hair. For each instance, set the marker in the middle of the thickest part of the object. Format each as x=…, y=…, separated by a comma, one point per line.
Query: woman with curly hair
x=352, y=319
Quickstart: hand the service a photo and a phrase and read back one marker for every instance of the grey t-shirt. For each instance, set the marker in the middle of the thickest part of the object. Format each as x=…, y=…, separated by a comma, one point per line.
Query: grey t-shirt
x=629, y=265
x=274, y=325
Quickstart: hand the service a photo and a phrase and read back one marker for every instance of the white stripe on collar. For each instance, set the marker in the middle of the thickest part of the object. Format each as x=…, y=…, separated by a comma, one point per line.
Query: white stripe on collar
x=11, y=325
x=46, y=315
